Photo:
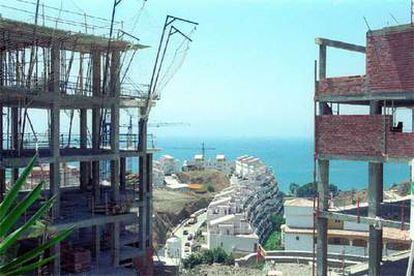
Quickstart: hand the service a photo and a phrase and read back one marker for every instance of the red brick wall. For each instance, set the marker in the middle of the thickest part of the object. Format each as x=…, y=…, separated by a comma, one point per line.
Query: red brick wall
x=400, y=144
x=341, y=85
x=390, y=61
x=359, y=135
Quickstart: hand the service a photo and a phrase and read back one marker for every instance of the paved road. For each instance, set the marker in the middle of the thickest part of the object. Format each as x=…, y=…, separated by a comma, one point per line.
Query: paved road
x=192, y=229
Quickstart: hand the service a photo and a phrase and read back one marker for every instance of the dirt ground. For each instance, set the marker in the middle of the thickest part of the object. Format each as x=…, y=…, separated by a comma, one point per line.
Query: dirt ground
x=171, y=207
x=216, y=269
x=214, y=178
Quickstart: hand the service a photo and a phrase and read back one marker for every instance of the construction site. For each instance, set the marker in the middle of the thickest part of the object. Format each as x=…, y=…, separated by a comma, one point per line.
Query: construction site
x=76, y=86
x=370, y=134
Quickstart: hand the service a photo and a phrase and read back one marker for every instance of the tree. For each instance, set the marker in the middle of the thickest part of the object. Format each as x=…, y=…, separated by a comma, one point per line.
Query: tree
x=10, y=232
x=210, y=188
x=309, y=189
x=292, y=188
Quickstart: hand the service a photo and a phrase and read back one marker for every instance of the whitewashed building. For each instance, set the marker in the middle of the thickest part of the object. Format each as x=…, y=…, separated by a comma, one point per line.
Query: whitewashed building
x=169, y=165
x=343, y=237
x=157, y=175
x=238, y=218
x=219, y=163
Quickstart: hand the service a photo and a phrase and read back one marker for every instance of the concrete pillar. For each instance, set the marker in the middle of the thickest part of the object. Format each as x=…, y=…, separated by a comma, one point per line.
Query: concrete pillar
x=97, y=243
x=114, y=139
x=322, y=62
x=122, y=174
x=143, y=178
x=149, y=200
x=15, y=138
x=116, y=231
x=374, y=199
x=55, y=131
x=96, y=121
x=83, y=133
x=323, y=185
x=54, y=173
x=115, y=92
x=322, y=223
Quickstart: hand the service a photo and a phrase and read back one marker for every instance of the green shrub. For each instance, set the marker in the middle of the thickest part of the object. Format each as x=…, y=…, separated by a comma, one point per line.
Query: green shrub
x=210, y=189
x=11, y=231
x=216, y=255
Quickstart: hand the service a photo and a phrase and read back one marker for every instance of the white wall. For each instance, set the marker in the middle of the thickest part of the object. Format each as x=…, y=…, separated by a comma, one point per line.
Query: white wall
x=232, y=243
x=299, y=217
x=348, y=225
x=304, y=243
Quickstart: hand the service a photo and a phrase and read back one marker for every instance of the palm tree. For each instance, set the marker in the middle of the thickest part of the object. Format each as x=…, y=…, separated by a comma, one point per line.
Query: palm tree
x=10, y=213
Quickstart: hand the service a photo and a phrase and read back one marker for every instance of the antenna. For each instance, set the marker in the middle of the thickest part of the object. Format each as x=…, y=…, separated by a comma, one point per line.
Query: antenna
x=366, y=23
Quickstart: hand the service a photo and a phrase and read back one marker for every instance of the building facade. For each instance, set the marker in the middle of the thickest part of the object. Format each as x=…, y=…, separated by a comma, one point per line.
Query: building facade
x=344, y=237
x=239, y=218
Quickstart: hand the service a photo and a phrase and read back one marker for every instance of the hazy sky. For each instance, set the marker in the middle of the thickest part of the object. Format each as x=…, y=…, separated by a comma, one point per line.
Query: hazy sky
x=249, y=71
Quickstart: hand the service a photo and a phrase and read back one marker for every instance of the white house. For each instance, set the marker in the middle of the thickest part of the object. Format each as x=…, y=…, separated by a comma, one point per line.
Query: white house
x=157, y=175
x=169, y=165
x=238, y=218
x=220, y=163
x=343, y=237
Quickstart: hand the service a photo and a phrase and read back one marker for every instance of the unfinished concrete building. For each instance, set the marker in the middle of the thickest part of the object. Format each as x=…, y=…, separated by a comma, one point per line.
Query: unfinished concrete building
x=373, y=136
x=56, y=71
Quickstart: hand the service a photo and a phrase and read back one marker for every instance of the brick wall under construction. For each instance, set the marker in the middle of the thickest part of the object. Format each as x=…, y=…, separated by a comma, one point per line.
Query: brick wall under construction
x=362, y=135
x=390, y=60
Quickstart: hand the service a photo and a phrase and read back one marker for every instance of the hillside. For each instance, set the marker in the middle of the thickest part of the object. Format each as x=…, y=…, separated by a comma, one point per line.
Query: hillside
x=213, y=178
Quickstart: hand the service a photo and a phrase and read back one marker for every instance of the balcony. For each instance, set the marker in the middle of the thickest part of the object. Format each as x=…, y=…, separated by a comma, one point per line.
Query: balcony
x=388, y=67
x=349, y=85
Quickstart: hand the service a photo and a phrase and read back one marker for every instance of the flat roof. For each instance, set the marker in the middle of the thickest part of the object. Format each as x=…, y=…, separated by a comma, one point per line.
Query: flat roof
x=21, y=34
x=299, y=202
x=220, y=201
x=222, y=219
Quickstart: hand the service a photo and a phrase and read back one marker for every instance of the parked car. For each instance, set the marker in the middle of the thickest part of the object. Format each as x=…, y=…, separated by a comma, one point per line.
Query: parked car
x=190, y=237
x=185, y=232
x=187, y=244
x=187, y=249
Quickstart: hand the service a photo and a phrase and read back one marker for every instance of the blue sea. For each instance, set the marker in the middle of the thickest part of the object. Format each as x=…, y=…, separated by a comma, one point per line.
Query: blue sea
x=290, y=159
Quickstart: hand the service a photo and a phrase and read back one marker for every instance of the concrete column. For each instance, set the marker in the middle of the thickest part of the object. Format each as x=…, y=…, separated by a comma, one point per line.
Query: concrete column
x=322, y=223
x=115, y=92
x=55, y=130
x=115, y=243
x=322, y=62
x=122, y=174
x=96, y=121
x=149, y=200
x=374, y=199
x=83, y=133
x=323, y=184
x=15, y=138
x=97, y=242
x=54, y=173
x=143, y=178
x=115, y=163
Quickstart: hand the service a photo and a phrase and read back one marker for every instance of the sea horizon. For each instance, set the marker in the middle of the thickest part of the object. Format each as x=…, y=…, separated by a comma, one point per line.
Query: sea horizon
x=290, y=158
